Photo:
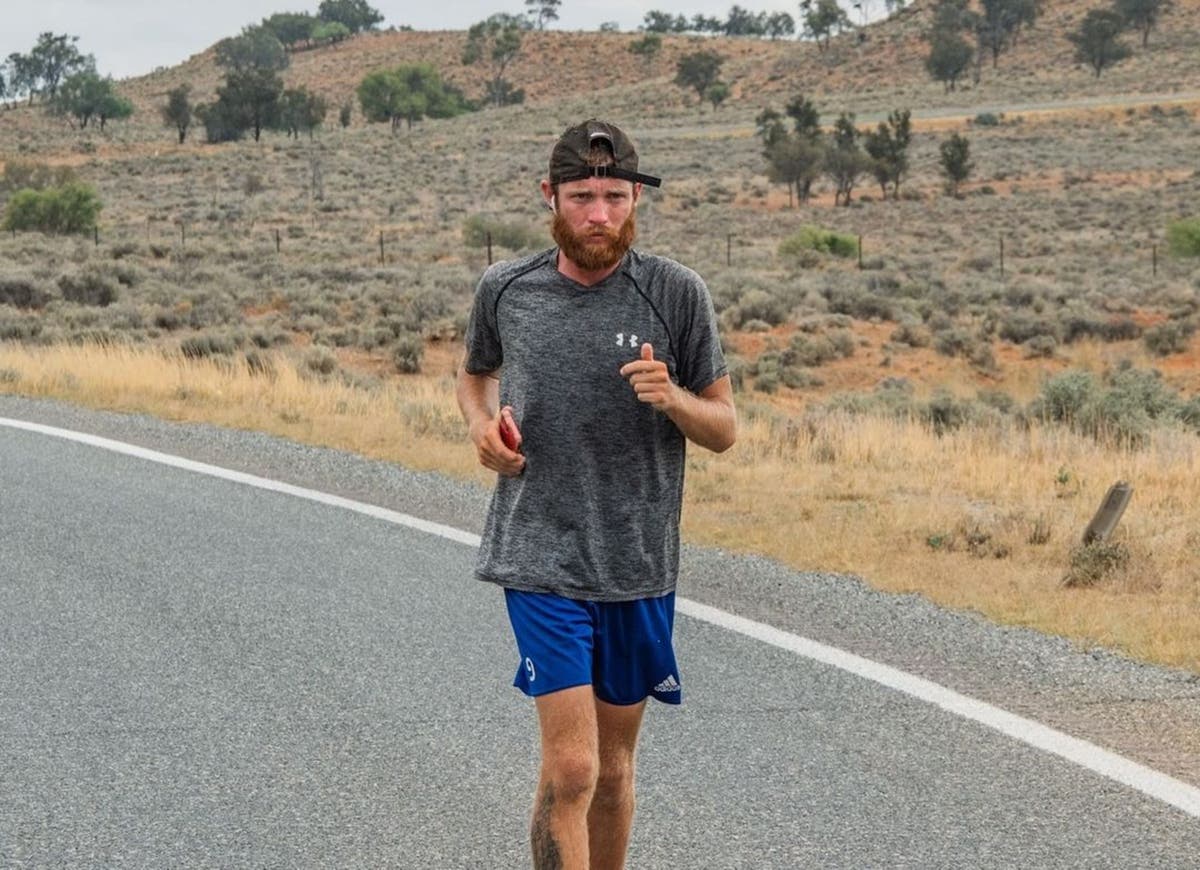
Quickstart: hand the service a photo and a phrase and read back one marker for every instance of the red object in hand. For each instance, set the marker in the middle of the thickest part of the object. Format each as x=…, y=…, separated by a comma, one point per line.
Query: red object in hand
x=508, y=431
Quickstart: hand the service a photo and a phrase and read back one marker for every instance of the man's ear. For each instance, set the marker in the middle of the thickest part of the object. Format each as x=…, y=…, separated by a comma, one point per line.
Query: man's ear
x=637, y=192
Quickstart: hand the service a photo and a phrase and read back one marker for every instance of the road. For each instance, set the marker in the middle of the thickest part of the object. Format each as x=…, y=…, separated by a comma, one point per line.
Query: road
x=199, y=672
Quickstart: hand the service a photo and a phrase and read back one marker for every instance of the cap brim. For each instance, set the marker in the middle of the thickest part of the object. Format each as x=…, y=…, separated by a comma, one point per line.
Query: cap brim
x=609, y=172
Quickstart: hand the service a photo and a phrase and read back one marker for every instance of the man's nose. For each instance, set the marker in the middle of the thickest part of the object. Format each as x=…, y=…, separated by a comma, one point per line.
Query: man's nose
x=598, y=212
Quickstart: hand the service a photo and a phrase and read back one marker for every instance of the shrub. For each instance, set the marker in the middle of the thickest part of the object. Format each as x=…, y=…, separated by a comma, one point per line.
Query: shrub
x=1020, y=326
x=813, y=238
x=987, y=119
x=89, y=287
x=759, y=305
x=911, y=333
x=1040, y=346
x=320, y=361
x=22, y=292
x=954, y=341
x=1183, y=238
x=515, y=237
x=1064, y=396
x=206, y=345
x=1168, y=338
x=1091, y=563
x=407, y=353
x=71, y=208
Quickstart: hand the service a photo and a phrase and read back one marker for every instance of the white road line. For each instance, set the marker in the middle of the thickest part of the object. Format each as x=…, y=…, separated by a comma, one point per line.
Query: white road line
x=1087, y=755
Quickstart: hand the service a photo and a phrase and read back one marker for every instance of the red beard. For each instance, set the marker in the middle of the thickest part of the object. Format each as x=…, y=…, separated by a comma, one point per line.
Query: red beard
x=591, y=254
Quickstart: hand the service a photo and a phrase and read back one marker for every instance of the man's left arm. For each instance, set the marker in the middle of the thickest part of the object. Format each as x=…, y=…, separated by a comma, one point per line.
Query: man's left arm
x=707, y=418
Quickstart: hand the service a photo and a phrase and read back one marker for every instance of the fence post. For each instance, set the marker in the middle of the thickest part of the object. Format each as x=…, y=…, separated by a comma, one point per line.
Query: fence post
x=1154, y=255
x=277, y=241
x=1002, y=256
x=860, y=251
x=729, y=249
x=182, y=234
x=96, y=235
x=1109, y=513
x=489, y=247
x=382, y=261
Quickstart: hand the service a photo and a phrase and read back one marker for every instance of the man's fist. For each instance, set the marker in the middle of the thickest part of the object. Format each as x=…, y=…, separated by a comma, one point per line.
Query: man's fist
x=650, y=380
x=498, y=443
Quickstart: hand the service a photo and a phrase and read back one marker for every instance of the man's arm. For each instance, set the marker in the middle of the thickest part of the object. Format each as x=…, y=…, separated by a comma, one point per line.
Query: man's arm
x=707, y=418
x=479, y=400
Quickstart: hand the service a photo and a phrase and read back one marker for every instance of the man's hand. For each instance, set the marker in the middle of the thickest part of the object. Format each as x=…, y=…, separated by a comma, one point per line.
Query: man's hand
x=489, y=444
x=650, y=380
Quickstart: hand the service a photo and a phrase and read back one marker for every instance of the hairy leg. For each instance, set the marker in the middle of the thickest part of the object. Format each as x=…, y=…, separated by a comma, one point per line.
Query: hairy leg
x=570, y=761
x=610, y=816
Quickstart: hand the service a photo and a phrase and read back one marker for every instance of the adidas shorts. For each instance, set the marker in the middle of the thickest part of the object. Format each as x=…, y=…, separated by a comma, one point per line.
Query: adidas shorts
x=620, y=648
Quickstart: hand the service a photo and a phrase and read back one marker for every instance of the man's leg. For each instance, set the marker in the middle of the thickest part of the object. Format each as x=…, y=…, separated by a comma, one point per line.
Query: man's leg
x=611, y=814
x=570, y=762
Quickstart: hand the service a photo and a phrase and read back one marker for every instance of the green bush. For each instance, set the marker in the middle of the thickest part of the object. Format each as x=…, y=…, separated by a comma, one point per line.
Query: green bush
x=1183, y=238
x=1168, y=338
x=89, y=287
x=1065, y=395
x=407, y=353
x=987, y=119
x=823, y=241
x=71, y=208
x=515, y=237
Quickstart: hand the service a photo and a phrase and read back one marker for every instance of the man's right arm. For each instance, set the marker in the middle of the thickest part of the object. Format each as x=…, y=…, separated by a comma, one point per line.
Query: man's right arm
x=479, y=400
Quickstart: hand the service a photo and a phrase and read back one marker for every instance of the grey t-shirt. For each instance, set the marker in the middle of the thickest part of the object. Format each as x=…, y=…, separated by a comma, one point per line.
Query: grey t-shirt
x=595, y=514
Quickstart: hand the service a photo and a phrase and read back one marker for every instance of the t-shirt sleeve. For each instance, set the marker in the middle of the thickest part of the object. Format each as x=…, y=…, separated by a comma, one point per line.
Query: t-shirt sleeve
x=484, y=353
x=701, y=360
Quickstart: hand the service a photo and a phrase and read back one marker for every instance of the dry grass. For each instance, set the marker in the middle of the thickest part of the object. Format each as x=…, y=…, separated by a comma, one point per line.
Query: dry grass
x=975, y=519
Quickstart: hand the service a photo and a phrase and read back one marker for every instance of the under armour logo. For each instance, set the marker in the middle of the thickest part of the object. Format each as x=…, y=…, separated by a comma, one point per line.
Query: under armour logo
x=633, y=340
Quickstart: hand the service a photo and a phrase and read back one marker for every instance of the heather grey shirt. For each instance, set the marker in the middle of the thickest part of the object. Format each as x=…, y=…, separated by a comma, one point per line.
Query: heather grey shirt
x=595, y=515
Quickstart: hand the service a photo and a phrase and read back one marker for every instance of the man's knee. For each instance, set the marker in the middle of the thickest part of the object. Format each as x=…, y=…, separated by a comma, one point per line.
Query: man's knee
x=614, y=781
x=572, y=773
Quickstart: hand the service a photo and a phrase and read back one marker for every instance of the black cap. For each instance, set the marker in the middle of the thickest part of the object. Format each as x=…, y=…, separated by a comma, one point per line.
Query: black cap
x=569, y=159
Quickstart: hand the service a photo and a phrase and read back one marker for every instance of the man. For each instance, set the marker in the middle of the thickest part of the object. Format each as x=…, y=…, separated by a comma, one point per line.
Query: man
x=594, y=362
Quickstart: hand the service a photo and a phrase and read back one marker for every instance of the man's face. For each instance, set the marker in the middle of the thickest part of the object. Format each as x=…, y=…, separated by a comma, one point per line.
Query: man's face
x=594, y=221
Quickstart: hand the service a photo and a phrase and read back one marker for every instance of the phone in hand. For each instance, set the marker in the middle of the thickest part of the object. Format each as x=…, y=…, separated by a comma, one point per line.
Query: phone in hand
x=509, y=433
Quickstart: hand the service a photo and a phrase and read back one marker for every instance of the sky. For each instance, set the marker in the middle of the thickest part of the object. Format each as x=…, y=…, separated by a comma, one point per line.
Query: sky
x=133, y=37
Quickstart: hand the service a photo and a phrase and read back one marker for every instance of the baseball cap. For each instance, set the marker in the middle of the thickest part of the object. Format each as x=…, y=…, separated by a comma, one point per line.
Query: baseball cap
x=569, y=159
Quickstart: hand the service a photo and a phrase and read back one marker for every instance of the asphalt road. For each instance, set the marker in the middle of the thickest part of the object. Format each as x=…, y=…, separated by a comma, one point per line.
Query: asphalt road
x=195, y=672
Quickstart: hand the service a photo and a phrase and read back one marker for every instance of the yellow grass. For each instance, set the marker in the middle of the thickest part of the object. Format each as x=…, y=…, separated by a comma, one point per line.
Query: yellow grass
x=955, y=518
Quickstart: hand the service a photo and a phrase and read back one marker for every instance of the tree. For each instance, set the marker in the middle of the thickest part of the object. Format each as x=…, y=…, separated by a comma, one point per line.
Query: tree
x=743, y=22
x=1142, y=15
x=258, y=48
x=780, y=25
x=955, y=161
x=251, y=98
x=717, y=93
x=806, y=120
x=701, y=24
x=997, y=26
x=177, y=112
x=949, y=57
x=888, y=148
x=542, y=11
x=1096, y=41
x=55, y=57
x=698, y=70
x=655, y=21
x=79, y=97
x=356, y=15
x=647, y=48
x=822, y=19
x=496, y=43
x=793, y=161
x=845, y=161
x=300, y=111
x=408, y=93
x=291, y=28
x=85, y=95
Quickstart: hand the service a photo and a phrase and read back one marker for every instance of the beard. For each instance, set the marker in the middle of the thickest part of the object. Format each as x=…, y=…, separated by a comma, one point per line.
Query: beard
x=592, y=254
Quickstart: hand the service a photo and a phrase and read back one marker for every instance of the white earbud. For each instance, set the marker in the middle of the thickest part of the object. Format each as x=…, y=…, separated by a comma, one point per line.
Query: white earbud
x=550, y=204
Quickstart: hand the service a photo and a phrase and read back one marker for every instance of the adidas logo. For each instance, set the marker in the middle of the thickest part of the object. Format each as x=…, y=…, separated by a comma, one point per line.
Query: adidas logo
x=668, y=685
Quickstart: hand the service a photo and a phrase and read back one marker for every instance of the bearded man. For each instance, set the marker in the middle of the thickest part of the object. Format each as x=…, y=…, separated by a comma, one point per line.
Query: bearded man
x=587, y=369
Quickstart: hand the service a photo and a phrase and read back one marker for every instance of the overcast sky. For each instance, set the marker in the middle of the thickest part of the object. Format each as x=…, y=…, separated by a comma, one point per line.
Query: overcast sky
x=132, y=37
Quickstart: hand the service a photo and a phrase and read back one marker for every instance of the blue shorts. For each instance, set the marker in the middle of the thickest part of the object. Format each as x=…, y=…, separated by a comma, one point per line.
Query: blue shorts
x=622, y=649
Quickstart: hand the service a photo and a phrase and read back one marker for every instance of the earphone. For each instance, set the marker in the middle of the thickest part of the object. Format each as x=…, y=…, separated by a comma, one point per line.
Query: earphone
x=551, y=205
